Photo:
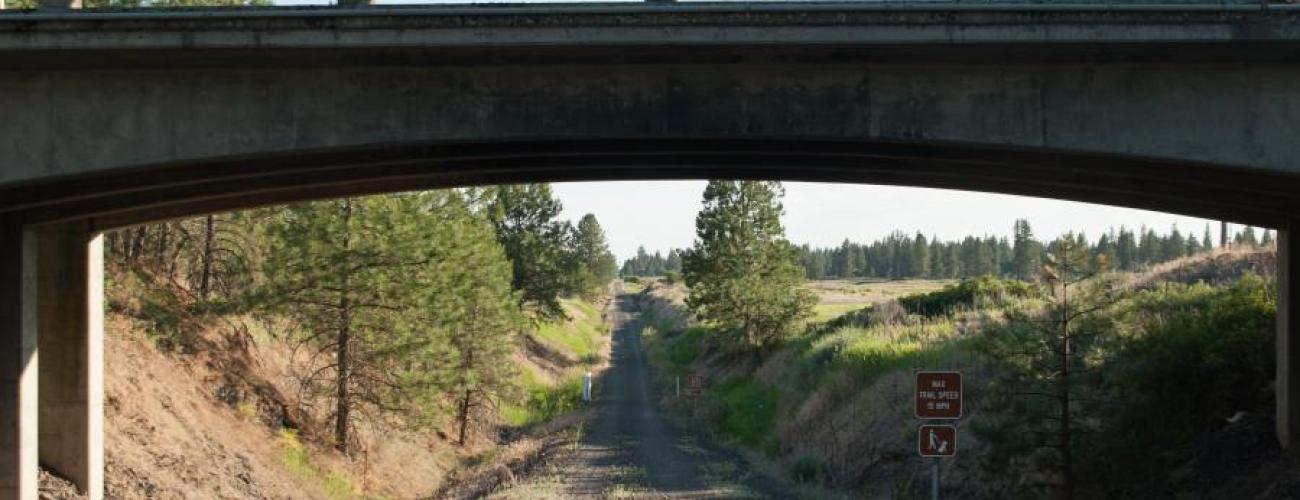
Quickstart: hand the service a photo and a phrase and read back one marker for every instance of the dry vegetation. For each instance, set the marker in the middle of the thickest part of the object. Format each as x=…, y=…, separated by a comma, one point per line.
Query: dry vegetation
x=831, y=410
x=200, y=404
x=839, y=296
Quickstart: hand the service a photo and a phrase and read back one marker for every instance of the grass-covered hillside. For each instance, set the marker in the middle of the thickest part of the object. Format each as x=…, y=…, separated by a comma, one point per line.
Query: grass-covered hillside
x=205, y=401
x=831, y=410
x=553, y=360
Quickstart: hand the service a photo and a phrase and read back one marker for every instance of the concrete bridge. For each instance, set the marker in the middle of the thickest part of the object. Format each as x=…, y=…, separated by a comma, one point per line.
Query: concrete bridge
x=110, y=119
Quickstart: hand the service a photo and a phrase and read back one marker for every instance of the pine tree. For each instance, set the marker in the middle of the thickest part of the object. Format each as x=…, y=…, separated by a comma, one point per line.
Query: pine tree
x=475, y=310
x=1246, y=237
x=595, y=263
x=937, y=252
x=341, y=268
x=1150, y=248
x=524, y=219
x=920, y=257
x=1126, y=250
x=1193, y=245
x=1026, y=250
x=743, y=275
x=674, y=262
x=1173, y=245
x=847, y=262
x=1030, y=408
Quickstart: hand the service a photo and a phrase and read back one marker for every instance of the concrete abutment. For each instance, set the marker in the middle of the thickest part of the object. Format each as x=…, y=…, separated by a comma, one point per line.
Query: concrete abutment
x=51, y=308
x=18, y=363
x=1287, y=385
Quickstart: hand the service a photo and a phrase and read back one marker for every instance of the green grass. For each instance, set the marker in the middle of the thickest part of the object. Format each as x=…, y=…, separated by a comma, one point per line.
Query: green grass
x=296, y=458
x=826, y=312
x=580, y=338
x=685, y=348
x=867, y=353
x=751, y=410
x=630, y=286
x=544, y=402
x=673, y=354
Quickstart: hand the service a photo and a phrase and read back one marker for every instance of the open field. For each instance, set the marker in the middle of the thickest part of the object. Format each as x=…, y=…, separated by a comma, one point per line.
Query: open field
x=838, y=296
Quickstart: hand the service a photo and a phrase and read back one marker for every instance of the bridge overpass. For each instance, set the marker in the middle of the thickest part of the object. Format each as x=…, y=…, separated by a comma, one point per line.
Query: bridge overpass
x=115, y=118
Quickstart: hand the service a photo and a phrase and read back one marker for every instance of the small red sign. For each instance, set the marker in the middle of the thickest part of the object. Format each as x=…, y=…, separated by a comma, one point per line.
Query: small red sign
x=938, y=395
x=937, y=441
x=694, y=384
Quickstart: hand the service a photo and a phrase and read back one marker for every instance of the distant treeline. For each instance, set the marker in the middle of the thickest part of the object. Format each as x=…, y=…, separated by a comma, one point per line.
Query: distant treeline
x=645, y=264
x=902, y=256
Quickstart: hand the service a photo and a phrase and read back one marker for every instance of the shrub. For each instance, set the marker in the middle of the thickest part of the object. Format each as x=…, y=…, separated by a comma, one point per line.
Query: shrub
x=544, y=402
x=1193, y=355
x=967, y=293
x=685, y=348
x=750, y=410
x=807, y=469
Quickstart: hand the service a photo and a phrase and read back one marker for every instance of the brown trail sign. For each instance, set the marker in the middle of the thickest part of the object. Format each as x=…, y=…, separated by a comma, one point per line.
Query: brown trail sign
x=937, y=441
x=694, y=385
x=938, y=395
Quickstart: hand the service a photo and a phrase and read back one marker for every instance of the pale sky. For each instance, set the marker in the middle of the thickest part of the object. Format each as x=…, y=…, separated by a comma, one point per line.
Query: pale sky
x=661, y=214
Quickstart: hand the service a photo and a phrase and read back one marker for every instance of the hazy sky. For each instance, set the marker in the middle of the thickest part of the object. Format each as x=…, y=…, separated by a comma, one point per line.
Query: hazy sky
x=661, y=214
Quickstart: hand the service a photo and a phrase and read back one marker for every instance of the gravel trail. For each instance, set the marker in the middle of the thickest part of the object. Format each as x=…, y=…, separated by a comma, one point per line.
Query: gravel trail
x=630, y=450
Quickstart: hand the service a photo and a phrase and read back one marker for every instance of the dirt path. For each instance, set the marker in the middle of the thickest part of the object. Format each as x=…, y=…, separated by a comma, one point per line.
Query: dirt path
x=630, y=450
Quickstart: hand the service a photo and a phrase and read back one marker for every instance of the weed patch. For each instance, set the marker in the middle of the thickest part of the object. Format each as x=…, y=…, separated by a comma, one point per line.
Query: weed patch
x=296, y=458
x=750, y=410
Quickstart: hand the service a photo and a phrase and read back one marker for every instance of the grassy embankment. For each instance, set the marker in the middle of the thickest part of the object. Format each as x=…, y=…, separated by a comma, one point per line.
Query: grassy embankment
x=193, y=350
x=837, y=297
x=552, y=368
x=831, y=408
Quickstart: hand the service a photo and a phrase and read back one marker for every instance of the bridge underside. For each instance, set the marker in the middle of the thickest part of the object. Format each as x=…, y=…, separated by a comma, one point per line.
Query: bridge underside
x=51, y=297
x=118, y=119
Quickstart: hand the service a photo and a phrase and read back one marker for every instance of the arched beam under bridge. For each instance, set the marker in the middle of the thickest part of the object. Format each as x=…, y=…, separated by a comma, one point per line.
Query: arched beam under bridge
x=51, y=263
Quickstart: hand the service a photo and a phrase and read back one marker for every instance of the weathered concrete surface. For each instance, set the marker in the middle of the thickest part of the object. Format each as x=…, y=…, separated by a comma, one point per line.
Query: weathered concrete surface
x=1288, y=335
x=70, y=339
x=66, y=123
x=87, y=96
x=73, y=122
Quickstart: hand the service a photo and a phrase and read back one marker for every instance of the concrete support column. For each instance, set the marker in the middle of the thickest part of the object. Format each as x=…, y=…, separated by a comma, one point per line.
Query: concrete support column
x=1288, y=334
x=18, y=366
x=70, y=337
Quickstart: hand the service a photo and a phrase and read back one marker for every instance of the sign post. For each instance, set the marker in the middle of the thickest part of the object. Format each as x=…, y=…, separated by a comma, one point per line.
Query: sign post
x=938, y=397
x=934, y=479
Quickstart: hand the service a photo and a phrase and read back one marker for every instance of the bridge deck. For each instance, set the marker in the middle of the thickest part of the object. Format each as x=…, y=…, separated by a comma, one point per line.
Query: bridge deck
x=648, y=33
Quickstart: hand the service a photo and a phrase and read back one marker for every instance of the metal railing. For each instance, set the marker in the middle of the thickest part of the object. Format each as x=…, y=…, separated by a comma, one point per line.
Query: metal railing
x=363, y=7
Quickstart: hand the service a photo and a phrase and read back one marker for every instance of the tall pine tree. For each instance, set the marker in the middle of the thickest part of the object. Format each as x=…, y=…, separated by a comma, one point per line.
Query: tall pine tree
x=744, y=277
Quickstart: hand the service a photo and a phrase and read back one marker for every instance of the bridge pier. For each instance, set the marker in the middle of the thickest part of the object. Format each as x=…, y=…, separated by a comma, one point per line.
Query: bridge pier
x=70, y=340
x=1288, y=334
x=18, y=366
x=51, y=308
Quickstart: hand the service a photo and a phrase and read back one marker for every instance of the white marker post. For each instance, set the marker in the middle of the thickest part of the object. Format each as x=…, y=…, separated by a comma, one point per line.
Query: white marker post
x=586, y=387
